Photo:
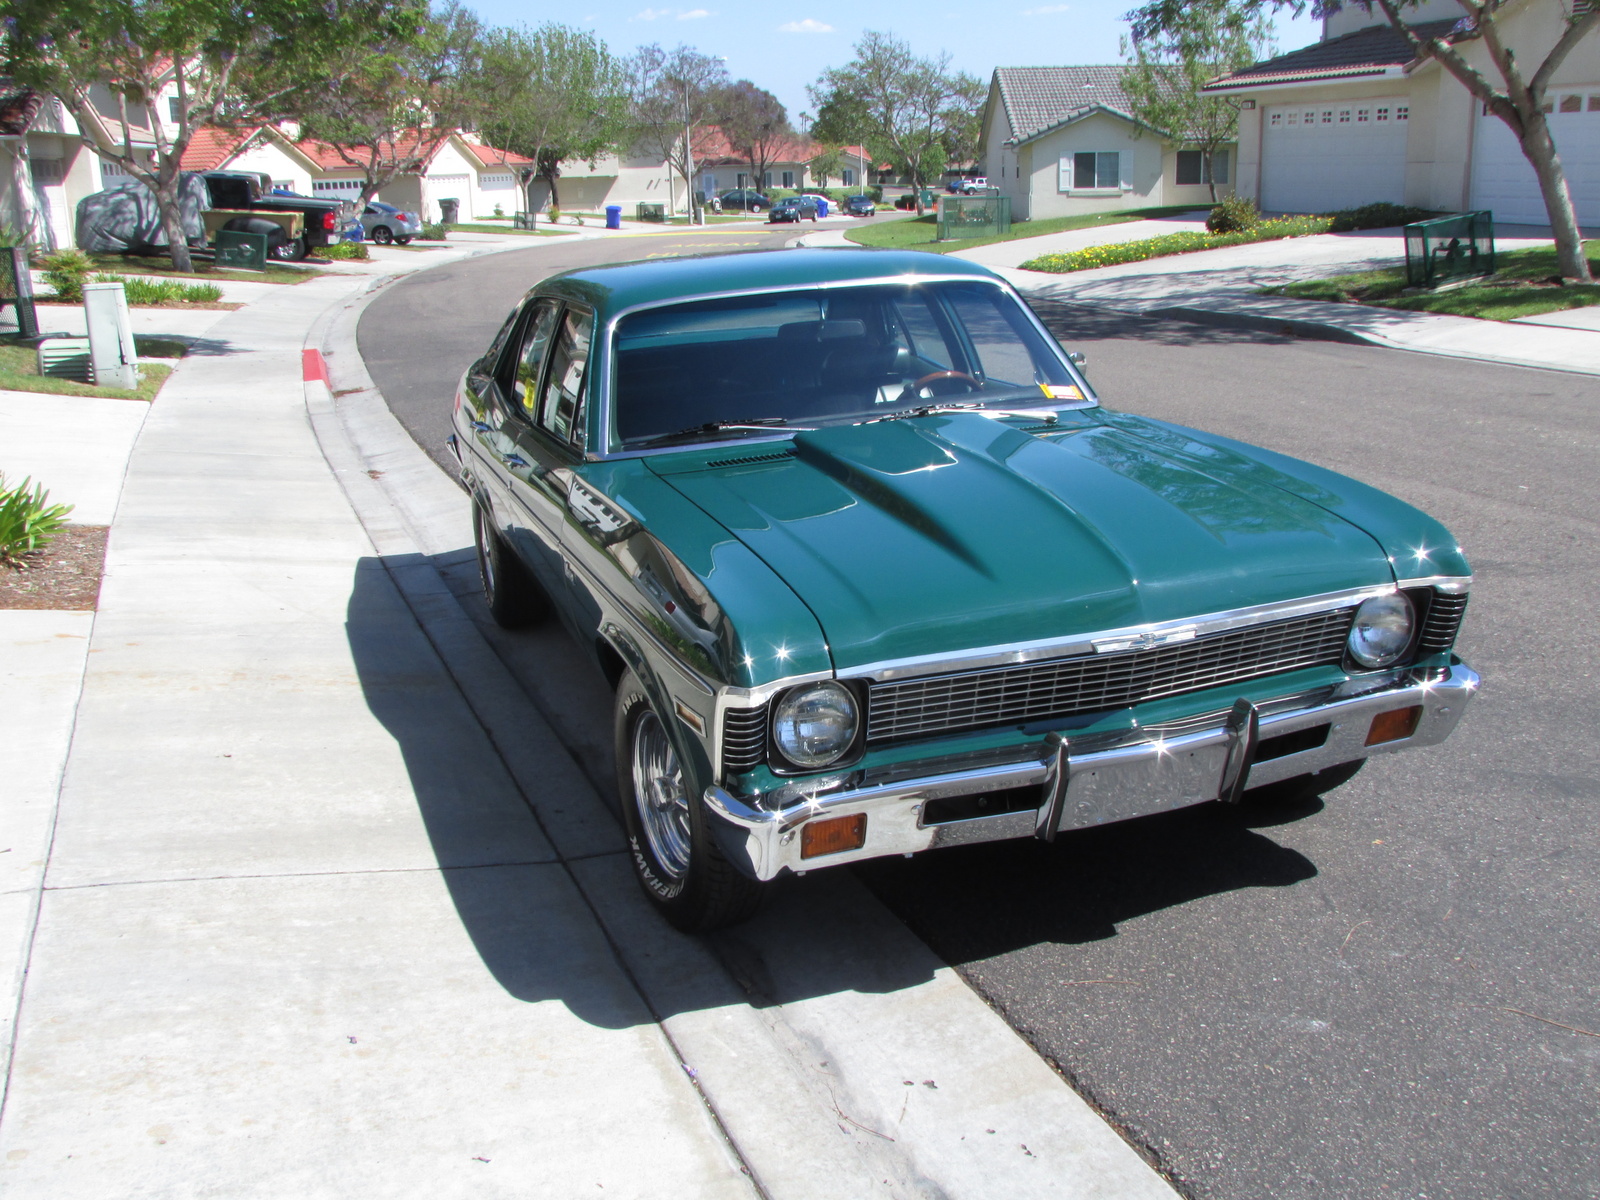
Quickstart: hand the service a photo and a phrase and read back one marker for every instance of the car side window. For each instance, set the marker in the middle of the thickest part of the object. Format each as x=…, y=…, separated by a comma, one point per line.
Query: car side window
x=563, y=389
x=529, y=360
x=923, y=329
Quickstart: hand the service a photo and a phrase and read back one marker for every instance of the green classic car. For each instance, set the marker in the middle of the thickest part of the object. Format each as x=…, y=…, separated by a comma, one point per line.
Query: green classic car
x=873, y=572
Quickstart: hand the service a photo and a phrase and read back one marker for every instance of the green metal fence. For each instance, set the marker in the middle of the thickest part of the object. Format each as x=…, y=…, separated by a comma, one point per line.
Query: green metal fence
x=1447, y=248
x=974, y=216
x=16, y=288
x=651, y=210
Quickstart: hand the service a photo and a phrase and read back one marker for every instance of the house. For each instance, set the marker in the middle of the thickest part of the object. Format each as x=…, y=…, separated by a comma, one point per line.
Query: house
x=264, y=150
x=479, y=178
x=1063, y=140
x=1357, y=118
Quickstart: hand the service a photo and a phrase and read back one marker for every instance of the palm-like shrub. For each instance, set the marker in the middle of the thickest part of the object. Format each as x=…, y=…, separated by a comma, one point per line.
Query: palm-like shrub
x=27, y=520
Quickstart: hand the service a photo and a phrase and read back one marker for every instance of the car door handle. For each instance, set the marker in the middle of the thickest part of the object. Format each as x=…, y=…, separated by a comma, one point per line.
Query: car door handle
x=479, y=427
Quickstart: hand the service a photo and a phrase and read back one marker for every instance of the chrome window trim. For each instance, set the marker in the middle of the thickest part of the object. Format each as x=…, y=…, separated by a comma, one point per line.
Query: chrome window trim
x=1453, y=585
x=607, y=358
x=1018, y=653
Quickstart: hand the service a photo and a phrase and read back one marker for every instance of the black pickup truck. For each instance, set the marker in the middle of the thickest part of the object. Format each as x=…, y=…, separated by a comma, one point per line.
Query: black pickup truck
x=244, y=193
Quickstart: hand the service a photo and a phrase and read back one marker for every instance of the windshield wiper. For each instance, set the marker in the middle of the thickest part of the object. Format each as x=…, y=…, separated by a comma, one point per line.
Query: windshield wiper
x=754, y=423
x=928, y=410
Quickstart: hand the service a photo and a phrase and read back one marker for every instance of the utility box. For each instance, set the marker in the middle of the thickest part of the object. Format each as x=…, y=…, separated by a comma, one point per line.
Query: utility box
x=1446, y=249
x=242, y=251
x=111, y=350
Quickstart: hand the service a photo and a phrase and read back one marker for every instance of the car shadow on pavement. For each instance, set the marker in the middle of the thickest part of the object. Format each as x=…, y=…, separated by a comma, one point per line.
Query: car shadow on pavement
x=1081, y=887
x=1073, y=325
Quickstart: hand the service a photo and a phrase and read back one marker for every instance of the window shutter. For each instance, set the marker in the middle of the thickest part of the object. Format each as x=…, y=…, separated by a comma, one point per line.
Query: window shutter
x=1064, y=174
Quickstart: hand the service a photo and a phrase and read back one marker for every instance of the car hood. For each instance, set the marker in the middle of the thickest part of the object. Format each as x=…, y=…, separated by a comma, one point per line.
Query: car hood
x=939, y=534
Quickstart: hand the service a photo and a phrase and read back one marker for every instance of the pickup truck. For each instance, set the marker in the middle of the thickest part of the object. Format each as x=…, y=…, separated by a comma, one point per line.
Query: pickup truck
x=293, y=224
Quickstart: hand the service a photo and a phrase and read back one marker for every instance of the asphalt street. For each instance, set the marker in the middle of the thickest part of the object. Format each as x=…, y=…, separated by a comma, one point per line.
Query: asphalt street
x=1389, y=992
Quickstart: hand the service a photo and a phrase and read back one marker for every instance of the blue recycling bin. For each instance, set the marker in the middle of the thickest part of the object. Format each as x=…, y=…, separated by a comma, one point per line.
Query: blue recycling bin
x=613, y=216
x=822, y=206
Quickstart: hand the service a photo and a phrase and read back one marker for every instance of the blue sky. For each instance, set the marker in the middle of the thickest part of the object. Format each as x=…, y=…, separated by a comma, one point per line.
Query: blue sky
x=783, y=47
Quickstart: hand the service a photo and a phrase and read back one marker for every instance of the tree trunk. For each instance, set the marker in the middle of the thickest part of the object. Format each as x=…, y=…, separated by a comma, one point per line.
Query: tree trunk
x=370, y=187
x=167, y=191
x=1540, y=150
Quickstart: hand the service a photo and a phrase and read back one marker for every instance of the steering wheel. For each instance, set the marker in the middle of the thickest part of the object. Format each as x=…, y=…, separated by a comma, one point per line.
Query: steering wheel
x=962, y=377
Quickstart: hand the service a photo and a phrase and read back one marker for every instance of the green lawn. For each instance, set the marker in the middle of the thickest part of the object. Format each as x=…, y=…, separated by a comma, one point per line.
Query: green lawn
x=1519, y=287
x=152, y=264
x=19, y=371
x=919, y=233
x=483, y=227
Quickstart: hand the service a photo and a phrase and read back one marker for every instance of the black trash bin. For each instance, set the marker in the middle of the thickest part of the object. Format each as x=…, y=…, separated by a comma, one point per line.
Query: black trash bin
x=449, y=210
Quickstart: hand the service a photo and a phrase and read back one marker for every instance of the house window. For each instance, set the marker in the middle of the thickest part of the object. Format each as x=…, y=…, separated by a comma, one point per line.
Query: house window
x=174, y=113
x=1327, y=117
x=110, y=170
x=1192, y=167
x=1402, y=112
x=741, y=178
x=788, y=179
x=1091, y=171
x=1344, y=116
x=766, y=179
x=1383, y=114
x=47, y=171
x=1309, y=119
x=1363, y=114
x=1594, y=103
x=1572, y=104
x=1276, y=119
x=848, y=176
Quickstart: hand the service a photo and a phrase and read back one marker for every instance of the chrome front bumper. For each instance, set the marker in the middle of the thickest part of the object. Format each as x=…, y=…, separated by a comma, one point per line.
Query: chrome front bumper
x=1087, y=782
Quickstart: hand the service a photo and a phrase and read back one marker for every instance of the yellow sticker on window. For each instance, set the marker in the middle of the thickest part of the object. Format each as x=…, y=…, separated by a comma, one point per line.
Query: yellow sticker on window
x=1058, y=391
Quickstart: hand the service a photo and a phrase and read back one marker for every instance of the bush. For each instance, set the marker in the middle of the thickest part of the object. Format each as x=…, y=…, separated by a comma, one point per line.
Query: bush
x=66, y=271
x=1376, y=216
x=162, y=291
x=1174, y=243
x=344, y=250
x=1234, y=215
x=435, y=231
x=499, y=210
x=27, y=522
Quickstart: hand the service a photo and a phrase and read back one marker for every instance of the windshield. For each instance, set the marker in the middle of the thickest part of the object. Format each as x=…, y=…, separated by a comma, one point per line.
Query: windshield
x=833, y=356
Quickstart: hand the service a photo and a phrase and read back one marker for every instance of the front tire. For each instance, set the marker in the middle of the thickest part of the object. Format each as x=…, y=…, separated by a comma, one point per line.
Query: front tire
x=515, y=600
x=293, y=250
x=674, y=852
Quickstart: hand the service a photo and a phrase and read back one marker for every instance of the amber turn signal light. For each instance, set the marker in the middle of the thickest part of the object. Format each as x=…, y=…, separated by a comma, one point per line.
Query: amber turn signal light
x=1392, y=726
x=833, y=836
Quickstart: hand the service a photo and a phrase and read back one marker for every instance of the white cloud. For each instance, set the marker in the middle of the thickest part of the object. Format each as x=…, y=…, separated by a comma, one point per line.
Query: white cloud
x=651, y=14
x=806, y=26
x=694, y=14
x=1045, y=10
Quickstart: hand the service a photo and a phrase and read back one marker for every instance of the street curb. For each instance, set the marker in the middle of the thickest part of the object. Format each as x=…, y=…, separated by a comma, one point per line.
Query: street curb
x=1289, y=327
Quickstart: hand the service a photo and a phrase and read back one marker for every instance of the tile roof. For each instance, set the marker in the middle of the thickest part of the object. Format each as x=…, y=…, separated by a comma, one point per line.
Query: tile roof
x=490, y=157
x=1367, y=51
x=712, y=148
x=1038, y=98
x=210, y=148
x=328, y=159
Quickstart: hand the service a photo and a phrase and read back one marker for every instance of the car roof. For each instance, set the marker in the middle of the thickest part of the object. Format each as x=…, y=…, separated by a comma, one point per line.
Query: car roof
x=613, y=288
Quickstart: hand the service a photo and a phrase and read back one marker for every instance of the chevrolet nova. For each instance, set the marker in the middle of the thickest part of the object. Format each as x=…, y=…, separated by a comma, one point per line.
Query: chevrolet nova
x=872, y=571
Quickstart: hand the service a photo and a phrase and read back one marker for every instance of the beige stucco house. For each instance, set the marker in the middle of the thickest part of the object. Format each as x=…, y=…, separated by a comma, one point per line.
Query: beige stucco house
x=1063, y=140
x=1357, y=119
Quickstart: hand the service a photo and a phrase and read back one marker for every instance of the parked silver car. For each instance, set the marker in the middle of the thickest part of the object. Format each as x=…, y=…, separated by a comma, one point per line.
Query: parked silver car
x=384, y=223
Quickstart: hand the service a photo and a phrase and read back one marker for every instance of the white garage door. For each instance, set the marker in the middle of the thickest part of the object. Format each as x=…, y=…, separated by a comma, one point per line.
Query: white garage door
x=1502, y=180
x=1322, y=157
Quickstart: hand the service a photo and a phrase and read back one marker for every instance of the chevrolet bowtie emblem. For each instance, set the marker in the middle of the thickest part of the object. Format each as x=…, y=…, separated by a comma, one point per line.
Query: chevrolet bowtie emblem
x=1142, y=641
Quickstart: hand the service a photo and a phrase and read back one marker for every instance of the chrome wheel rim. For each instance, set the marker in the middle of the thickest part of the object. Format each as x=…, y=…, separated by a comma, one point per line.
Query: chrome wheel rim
x=485, y=558
x=659, y=796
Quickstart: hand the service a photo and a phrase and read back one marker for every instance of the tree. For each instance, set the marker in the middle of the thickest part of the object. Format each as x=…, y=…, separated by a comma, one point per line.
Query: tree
x=909, y=110
x=755, y=124
x=231, y=64
x=387, y=106
x=675, y=96
x=552, y=94
x=826, y=163
x=1512, y=95
x=1167, y=70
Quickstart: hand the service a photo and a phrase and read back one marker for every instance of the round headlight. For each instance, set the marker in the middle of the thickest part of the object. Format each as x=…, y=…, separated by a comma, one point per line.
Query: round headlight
x=815, y=724
x=1382, y=631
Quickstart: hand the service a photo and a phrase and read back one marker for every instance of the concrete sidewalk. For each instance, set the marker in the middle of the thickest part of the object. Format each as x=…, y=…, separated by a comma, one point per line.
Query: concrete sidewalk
x=303, y=898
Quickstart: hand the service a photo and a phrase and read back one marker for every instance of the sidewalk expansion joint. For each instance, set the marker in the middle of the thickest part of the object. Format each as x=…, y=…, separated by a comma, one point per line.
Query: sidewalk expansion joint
x=433, y=870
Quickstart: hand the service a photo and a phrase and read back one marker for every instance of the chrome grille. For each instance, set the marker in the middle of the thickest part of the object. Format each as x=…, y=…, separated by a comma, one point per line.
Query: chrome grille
x=744, y=739
x=1100, y=682
x=1443, y=622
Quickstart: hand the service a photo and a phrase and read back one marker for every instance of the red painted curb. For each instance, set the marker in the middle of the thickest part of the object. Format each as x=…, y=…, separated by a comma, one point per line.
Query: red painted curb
x=314, y=367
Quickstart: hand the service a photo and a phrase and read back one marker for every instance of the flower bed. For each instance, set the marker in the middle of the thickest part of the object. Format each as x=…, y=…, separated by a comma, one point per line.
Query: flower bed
x=1175, y=243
